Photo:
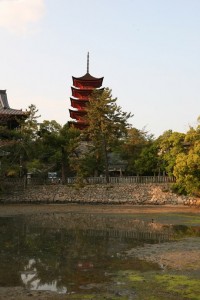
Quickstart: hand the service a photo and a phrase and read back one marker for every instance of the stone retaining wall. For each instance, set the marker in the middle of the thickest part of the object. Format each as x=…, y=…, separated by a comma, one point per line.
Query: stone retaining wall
x=117, y=194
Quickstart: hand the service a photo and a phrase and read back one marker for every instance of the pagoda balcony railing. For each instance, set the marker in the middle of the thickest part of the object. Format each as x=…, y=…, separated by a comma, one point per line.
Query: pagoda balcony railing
x=86, y=87
x=81, y=110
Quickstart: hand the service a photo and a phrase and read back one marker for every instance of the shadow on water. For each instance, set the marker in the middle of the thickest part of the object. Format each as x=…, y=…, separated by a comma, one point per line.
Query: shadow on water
x=65, y=252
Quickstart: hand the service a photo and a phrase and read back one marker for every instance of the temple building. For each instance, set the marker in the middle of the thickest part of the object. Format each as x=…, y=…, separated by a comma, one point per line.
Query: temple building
x=81, y=90
x=9, y=118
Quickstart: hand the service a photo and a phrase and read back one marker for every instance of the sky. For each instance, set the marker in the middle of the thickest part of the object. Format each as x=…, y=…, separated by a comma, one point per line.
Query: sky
x=147, y=51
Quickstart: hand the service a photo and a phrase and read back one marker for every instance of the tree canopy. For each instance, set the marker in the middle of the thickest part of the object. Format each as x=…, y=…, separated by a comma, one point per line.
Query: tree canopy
x=187, y=167
x=107, y=124
x=44, y=147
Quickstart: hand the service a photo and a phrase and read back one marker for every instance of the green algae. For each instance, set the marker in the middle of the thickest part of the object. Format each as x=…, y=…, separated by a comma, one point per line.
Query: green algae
x=181, y=284
x=159, y=285
x=136, y=278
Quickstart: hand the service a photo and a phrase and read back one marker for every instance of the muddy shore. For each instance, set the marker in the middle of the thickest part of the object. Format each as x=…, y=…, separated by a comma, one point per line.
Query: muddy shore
x=177, y=255
x=17, y=209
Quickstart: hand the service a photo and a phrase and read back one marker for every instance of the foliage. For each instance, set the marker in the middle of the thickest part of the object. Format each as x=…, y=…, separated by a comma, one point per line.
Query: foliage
x=147, y=162
x=29, y=127
x=139, y=151
x=9, y=134
x=85, y=163
x=107, y=125
x=21, y=144
x=42, y=147
x=58, y=144
x=187, y=168
x=170, y=144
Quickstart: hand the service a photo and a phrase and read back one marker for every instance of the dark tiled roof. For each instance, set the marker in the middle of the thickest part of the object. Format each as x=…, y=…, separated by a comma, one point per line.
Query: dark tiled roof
x=5, y=109
x=13, y=112
x=87, y=76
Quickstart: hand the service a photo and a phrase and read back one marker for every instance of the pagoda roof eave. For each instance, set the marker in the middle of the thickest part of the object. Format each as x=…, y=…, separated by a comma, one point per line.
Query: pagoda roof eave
x=79, y=100
x=87, y=77
x=77, y=112
x=85, y=90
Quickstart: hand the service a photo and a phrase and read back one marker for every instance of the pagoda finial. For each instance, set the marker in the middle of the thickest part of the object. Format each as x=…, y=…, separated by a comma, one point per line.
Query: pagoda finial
x=88, y=62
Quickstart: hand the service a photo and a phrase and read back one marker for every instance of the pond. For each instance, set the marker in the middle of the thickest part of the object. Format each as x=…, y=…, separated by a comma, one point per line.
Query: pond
x=74, y=254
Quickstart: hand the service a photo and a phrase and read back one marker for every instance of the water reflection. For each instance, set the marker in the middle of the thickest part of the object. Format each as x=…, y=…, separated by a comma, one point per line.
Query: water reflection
x=30, y=279
x=63, y=252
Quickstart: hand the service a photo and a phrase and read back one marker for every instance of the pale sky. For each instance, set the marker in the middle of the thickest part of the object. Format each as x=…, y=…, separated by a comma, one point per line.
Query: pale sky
x=147, y=50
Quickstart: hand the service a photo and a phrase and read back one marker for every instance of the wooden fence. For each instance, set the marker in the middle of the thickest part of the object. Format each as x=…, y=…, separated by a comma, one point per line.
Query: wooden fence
x=124, y=179
x=21, y=183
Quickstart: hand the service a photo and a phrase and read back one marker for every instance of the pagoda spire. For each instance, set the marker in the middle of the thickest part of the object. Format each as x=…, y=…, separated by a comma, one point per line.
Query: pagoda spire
x=88, y=63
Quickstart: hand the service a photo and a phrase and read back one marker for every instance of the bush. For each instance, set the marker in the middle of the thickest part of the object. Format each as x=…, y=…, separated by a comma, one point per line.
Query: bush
x=178, y=189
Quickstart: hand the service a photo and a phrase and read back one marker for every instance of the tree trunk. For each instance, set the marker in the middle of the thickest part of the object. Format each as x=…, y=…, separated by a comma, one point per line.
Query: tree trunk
x=63, y=166
x=106, y=158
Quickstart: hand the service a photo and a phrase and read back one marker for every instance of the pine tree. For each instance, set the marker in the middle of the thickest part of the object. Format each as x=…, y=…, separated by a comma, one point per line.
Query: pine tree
x=107, y=124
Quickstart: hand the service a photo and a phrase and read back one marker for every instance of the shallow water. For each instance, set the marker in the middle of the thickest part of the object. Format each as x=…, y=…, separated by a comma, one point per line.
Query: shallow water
x=82, y=254
x=58, y=252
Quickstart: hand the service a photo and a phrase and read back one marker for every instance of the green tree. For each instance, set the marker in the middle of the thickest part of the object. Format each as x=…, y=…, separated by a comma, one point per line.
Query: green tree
x=187, y=168
x=147, y=163
x=134, y=150
x=58, y=144
x=43, y=155
x=170, y=144
x=29, y=127
x=25, y=150
x=20, y=143
x=107, y=124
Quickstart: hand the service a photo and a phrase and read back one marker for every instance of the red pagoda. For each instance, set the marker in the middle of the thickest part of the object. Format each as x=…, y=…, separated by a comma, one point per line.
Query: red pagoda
x=81, y=90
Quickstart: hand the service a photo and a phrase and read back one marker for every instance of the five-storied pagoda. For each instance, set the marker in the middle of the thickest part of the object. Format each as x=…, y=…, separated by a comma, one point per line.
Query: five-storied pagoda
x=81, y=90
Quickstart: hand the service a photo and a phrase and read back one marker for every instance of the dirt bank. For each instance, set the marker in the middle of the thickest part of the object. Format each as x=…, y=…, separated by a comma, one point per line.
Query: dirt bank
x=17, y=209
x=177, y=255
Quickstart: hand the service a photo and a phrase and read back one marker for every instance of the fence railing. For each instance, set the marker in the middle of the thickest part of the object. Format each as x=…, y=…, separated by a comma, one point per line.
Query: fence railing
x=124, y=179
x=23, y=182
